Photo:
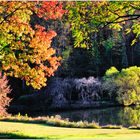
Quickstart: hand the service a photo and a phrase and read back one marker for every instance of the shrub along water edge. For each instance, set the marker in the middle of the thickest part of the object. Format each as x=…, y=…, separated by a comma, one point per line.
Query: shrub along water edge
x=123, y=86
x=58, y=121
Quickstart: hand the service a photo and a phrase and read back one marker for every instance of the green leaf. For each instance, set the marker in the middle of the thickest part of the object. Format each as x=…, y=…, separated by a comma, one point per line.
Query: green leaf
x=133, y=42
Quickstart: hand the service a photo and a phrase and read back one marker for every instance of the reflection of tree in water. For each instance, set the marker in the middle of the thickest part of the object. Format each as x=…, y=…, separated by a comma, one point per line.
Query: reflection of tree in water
x=116, y=115
x=101, y=116
x=129, y=116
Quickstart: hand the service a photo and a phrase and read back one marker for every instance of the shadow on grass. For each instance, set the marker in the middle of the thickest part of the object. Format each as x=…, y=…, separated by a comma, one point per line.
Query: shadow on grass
x=8, y=135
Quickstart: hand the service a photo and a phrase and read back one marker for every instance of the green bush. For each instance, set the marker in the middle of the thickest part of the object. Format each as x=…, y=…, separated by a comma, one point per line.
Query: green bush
x=109, y=86
x=123, y=86
x=111, y=72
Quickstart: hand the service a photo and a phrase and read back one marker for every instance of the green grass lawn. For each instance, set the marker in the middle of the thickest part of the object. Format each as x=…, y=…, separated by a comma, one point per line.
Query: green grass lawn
x=28, y=130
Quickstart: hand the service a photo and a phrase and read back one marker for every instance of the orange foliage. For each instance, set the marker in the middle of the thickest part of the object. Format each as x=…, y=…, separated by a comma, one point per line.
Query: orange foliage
x=26, y=53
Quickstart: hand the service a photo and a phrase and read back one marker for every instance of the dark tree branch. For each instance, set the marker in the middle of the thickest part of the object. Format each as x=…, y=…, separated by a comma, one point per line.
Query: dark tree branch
x=129, y=17
x=7, y=16
x=124, y=20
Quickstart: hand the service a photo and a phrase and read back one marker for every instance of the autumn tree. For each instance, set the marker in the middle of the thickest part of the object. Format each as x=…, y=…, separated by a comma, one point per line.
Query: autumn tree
x=25, y=50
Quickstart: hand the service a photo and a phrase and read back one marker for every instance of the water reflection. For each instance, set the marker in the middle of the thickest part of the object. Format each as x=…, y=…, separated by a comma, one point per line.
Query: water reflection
x=116, y=116
x=129, y=116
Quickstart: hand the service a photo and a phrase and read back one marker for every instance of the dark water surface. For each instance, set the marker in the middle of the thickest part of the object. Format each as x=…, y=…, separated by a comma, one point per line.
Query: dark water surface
x=116, y=115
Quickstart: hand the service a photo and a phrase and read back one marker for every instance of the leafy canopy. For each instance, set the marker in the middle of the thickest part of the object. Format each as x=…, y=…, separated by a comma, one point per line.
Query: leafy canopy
x=25, y=51
x=87, y=18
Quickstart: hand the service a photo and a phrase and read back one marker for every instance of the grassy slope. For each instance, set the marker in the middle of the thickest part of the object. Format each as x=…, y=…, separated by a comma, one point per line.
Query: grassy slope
x=26, y=130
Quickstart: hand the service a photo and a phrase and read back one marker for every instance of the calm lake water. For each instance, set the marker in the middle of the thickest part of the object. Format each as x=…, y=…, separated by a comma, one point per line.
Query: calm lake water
x=115, y=115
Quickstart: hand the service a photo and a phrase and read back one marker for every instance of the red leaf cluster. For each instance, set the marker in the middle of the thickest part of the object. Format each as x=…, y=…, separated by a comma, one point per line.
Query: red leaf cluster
x=49, y=10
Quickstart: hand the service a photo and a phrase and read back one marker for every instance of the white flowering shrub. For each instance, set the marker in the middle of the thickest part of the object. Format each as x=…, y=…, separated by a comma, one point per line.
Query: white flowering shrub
x=75, y=89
